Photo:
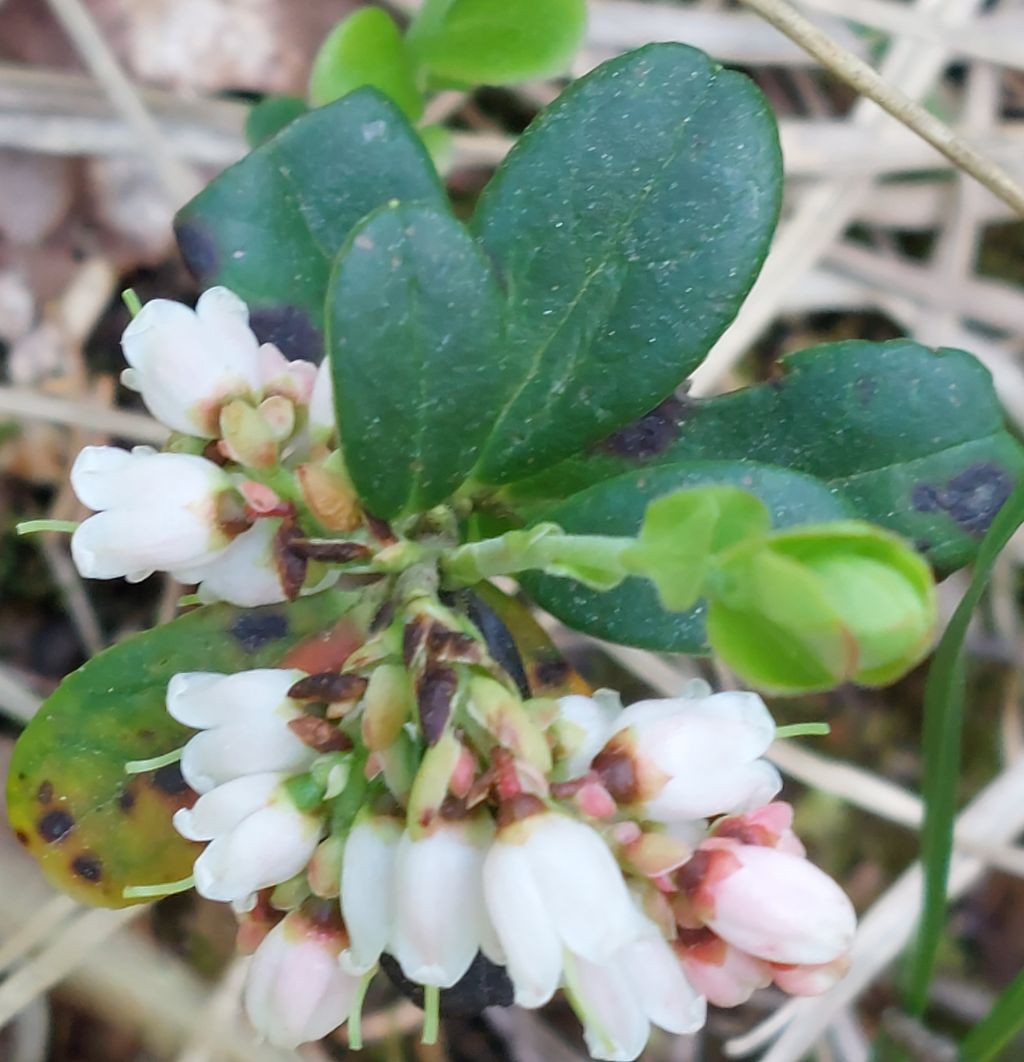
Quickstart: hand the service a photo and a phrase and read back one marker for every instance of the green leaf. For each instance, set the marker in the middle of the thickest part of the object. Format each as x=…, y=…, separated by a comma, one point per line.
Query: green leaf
x=912, y=438
x=778, y=630
x=999, y=1028
x=415, y=340
x=807, y=608
x=628, y=223
x=366, y=49
x=941, y=735
x=96, y=830
x=680, y=533
x=631, y=613
x=270, y=226
x=498, y=42
x=268, y=117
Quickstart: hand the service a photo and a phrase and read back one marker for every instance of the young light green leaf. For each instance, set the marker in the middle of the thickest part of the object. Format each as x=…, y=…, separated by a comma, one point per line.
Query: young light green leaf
x=914, y=439
x=269, y=227
x=628, y=223
x=631, y=613
x=683, y=530
x=497, y=42
x=942, y=730
x=773, y=625
x=415, y=340
x=366, y=49
x=811, y=607
x=268, y=117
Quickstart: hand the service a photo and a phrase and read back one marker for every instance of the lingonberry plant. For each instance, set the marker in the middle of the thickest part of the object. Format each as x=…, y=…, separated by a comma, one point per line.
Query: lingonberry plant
x=361, y=743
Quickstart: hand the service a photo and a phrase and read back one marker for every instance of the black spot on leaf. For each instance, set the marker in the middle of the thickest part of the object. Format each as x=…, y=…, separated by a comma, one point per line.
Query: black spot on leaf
x=169, y=780
x=971, y=498
x=45, y=793
x=88, y=867
x=198, y=249
x=290, y=330
x=55, y=826
x=649, y=436
x=254, y=630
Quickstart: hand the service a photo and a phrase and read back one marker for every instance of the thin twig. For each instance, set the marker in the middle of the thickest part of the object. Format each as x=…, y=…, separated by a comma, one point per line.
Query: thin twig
x=24, y=402
x=866, y=80
x=178, y=180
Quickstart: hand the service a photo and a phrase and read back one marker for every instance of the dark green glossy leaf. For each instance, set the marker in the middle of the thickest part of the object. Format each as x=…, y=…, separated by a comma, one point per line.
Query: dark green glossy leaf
x=96, y=830
x=628, y=223
x=631, y=614
x=941, y=740
x=270, y=226
x=268, y=117
x=366, y=49
x=498, y=42
x=912, y=438
x=415, y=340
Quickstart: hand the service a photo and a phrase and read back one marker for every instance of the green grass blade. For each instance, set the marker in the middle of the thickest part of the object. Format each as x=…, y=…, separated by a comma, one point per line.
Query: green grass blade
x=999, y=1027
x=943, y=726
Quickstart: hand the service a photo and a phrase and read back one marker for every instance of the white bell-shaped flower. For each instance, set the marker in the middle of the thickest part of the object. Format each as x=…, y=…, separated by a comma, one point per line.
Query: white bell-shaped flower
x=368, y=889
x=295, y=991
x=641, y=985
x=440, y=920
x=551, y=885
x=582, y=727
x=243, y=722
x=691, y=757
x=777, y=906
x=322, y=422
x=188, y=363
x=258, y=837
x=156, y=512
x=244, y=574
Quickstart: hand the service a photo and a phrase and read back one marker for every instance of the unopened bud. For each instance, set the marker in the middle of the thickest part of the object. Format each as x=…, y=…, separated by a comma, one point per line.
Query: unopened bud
x=324, y=870
x=330, y=497
x=431, y=786
x=387, y=706
x=502, y=714
x=279, y=416
x=246, y=436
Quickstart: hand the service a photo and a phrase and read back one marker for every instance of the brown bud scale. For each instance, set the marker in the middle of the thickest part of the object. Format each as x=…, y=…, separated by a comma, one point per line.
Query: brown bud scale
x=329, y=687
x=319, y=734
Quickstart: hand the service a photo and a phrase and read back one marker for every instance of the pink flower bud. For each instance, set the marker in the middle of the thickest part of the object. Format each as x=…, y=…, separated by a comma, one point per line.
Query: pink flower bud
x=772, y=904
x=296, y=991
x=726, y=976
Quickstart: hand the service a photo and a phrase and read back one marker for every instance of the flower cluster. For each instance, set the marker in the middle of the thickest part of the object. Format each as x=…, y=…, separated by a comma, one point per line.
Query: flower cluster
x=250, y=428
x=415, y=809
x=634, y=858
